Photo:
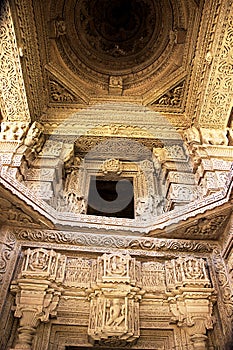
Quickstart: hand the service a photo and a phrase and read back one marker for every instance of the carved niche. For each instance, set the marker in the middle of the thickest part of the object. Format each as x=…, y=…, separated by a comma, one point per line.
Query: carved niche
x=114, y=309
x=81, y=168
x=38, y=292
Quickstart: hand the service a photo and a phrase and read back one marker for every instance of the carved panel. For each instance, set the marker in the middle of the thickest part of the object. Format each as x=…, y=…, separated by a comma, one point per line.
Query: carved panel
x=13, y=95
x=188, y=272
x=172, y=98
x=218, y=95
x=60, y=94
x=78, y=272
x=114, y=308
x=153, y=276
x=43, y=264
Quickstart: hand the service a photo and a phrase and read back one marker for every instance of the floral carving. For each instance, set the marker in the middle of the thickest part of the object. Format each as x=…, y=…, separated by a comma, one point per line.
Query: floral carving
x=13, y=95
x=148, y=244
x=173, y=97
x=5, y=254
x=60, y=94
x=218, y=95
x=225, y=291
x=207, y=227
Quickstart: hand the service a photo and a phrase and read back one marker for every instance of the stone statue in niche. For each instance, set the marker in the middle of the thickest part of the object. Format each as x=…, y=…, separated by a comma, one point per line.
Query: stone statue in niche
x=72, y=198
x=186, y=272
x=115, y=85
x=116, y=313
x=116, y=267
x=35, y=138
x=114, y=297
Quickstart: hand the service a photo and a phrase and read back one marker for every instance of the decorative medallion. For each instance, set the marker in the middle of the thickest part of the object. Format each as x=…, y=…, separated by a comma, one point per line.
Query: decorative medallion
x=112, y=38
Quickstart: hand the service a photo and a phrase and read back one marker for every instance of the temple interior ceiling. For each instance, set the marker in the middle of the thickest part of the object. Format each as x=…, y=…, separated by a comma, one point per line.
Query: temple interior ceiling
x=116, y=174
x=161, y=54
x=139, y=90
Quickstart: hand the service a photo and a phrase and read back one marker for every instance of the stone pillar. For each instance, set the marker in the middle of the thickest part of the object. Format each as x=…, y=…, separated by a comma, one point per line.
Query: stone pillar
x=191, y=298
x=8, y=253
x=37, y=292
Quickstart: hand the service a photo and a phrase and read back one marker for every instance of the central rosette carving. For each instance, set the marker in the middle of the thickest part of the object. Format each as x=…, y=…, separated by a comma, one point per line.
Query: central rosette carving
x=113, y=36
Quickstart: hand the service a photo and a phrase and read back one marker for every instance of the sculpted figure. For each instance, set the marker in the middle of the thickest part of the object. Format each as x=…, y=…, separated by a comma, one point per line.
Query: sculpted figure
x=192, y=135
x=117, y=266
x=214, y=136
x=161, y=154
x=35, y=138
x=116, y=313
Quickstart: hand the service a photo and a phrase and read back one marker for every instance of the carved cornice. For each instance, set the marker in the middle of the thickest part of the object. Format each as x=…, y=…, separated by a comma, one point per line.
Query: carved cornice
x=100, y=242
x=168, y=222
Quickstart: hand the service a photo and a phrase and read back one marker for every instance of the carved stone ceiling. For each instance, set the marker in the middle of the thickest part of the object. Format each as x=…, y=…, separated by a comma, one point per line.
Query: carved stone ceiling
x=161, y=54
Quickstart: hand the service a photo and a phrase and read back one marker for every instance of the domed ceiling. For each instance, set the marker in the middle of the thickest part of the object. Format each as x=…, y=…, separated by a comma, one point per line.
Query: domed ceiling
x=113, y=37
x=121, y=42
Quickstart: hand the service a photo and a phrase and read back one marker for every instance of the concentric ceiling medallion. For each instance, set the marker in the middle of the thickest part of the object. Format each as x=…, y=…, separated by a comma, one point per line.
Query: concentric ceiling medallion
x=114, y=37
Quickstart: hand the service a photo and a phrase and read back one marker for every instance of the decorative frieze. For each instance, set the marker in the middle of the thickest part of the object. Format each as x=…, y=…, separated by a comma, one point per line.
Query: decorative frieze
x=114, y=285
x=120, y=242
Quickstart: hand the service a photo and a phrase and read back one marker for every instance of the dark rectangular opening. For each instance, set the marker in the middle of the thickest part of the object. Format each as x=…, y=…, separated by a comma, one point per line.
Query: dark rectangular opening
x=113, y=198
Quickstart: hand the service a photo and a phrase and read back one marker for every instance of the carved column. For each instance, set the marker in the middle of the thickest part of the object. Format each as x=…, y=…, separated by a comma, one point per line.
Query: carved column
x=191, y=298
x=8, y=253
x=37, y=292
